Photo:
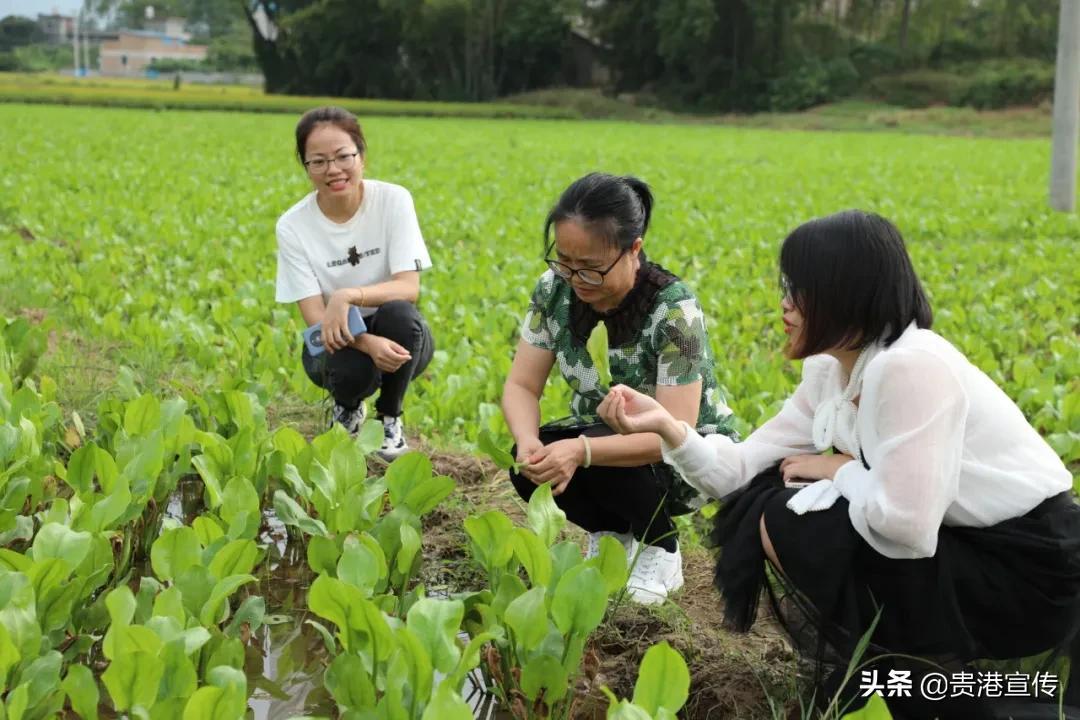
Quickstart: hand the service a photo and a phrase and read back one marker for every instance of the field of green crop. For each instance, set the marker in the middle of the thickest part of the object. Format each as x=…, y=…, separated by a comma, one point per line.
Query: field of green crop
x=156, y=461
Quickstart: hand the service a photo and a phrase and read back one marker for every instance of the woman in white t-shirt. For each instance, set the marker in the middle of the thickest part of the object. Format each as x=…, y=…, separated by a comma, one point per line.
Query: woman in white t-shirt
x=938, y=503
x=355, y=242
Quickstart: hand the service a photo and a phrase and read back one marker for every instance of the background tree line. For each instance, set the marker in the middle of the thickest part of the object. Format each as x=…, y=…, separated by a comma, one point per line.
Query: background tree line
x=687, y=54
x=696, y=55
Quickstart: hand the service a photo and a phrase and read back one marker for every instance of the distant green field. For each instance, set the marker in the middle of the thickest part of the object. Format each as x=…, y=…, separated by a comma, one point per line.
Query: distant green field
x=153, y=237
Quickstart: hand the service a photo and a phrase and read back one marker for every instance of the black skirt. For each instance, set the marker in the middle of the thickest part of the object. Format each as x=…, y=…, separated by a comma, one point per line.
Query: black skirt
x=1008, y=591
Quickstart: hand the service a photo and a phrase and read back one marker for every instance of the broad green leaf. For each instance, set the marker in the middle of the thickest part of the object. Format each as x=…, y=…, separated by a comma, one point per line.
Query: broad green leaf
x=360, y=567
x=544, y=673
x=322, y=555
x=239, y=497
x=533, y=556
x=251, y=612
x=564, y=556
x=142, y=415
x=410, y=549
x=436, y=624
x=179, y=678
x=544, y=516
x=9, y=654
x=59, y=541
x=611, y=562
x=410, y=668
x=86, y=463
x=597, y=346
x=487, y=444
x=370, y=438
x=427, y=494
x=235, y=558
x=405, y=473
x=213, y=702
x=133, y=680
x=288, y=441
x=212, y=611
x=527, y=616
x=491, y=534
x=350, y=683
x=42, y=678
x=174, y=551
x=292, y=478
x=17, y=613
x=290, y=513
x=107, y=509
x=195, y=584
x=663, y=680
x=332, y=600
x=211, y=475
x=327, y=492
x=624, y=710
x=580, y=601
x=207, y=529
x=82, y=691
x=446, y=704
x=170, y=603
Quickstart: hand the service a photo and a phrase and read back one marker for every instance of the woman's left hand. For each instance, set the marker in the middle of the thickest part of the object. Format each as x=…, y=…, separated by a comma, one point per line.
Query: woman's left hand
x=335, y=324
x=556, y=463
x=813, y=467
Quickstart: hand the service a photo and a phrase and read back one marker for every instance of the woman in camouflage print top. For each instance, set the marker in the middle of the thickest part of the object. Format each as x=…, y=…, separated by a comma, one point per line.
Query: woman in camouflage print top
x=657, y=343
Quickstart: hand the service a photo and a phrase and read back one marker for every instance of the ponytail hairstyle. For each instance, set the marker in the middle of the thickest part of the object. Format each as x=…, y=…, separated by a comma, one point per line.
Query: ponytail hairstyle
x=614, y=208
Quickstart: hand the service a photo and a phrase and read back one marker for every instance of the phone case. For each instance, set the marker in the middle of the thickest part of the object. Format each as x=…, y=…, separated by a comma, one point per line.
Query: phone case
x=313, y=335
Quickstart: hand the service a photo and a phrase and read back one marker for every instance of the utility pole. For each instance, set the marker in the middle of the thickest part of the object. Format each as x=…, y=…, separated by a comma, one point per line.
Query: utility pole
x=75, y=43
x=1066, y=109
x=85, y=41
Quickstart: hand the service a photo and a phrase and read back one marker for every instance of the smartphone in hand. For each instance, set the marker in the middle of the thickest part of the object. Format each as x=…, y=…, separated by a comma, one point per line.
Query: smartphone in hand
x=313, y=335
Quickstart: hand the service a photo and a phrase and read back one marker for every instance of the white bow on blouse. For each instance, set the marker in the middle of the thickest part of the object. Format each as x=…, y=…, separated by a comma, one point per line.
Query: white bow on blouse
x=835, y=425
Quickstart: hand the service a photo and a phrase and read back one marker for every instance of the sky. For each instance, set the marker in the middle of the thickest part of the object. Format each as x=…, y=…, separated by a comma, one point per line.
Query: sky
x=31, y=8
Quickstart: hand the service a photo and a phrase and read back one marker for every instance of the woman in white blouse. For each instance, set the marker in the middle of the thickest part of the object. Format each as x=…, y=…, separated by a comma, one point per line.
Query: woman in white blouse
x=898, y=477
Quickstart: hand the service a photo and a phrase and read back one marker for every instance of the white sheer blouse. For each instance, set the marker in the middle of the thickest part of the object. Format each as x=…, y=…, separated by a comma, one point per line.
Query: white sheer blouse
x=944, y=444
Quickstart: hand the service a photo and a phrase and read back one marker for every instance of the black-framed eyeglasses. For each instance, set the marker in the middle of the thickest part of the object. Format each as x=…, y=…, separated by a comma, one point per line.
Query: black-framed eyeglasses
x=318, y=166
x=587, y=275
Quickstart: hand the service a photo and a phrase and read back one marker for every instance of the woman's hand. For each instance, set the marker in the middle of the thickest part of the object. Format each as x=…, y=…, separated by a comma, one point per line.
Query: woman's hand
x=335, y=322
x=525, y=450
x=627, y=411
x=555, y=464
x=813, y=467
x=387, y=355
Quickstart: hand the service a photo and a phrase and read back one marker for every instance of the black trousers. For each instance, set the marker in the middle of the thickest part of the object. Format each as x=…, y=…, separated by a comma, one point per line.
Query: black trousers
x=351, y=375
x=616, y=499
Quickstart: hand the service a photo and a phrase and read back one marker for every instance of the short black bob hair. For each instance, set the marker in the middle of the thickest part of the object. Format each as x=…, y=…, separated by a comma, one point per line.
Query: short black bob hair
x=851, y=278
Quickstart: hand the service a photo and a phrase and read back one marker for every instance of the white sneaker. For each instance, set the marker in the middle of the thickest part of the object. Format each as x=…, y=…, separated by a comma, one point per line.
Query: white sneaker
x=393, y=438
x=627, y=540
x=656, y=573
x=351, y=420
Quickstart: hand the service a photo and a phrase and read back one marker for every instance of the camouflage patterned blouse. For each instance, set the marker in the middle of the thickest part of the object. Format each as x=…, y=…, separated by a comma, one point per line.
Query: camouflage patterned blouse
x=656, y=336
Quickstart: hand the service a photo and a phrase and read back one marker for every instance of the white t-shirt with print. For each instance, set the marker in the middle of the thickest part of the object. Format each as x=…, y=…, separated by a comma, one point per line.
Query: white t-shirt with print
x=317, y=256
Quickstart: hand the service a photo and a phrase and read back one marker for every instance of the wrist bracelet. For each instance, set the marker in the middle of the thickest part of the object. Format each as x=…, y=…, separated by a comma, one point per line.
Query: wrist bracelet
x=588, y=451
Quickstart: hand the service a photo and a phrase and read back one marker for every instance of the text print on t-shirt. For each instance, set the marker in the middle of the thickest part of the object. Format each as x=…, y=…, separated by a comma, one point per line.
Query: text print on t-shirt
x=354, y=257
